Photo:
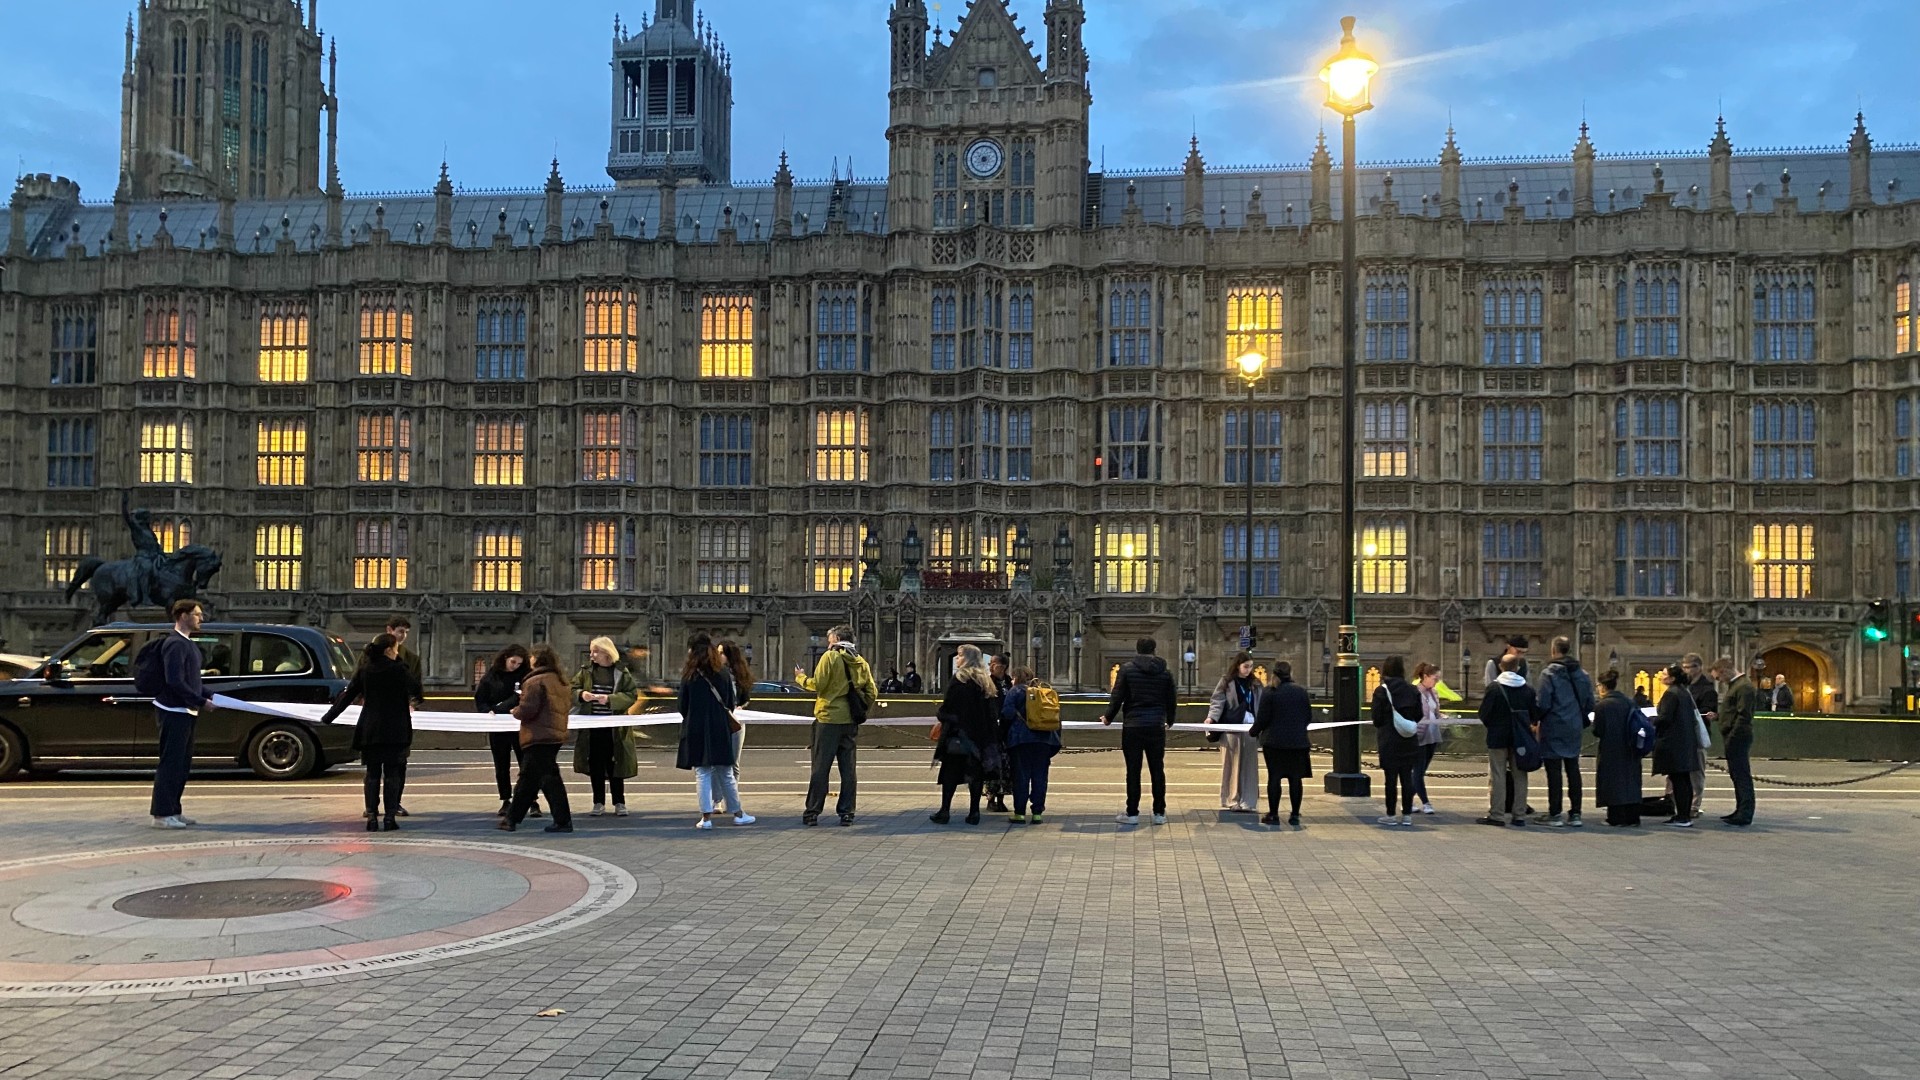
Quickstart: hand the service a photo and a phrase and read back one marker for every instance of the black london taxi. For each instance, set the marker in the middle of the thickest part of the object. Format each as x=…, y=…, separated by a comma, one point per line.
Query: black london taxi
x=79, y=709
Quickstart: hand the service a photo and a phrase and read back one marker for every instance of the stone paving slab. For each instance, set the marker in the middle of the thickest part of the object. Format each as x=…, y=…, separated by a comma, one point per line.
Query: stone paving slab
x=1079, y=948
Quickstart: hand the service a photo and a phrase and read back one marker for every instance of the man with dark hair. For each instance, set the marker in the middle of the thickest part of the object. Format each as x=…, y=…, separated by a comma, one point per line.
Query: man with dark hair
x=1144, y=691
x=1706, y=698
x=1736, y=736
x=1516, y=647
x=1566, y=710
x=176, y=708
x=910, y=682
x=401, y=628
x=840, y=674
x=1507, y=704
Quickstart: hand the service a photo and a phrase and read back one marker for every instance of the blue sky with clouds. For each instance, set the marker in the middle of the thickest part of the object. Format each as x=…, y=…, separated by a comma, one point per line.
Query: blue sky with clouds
x=500, y=86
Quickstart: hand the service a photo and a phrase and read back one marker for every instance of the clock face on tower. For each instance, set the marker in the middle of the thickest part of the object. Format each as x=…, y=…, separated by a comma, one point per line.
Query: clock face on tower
x=983, y=158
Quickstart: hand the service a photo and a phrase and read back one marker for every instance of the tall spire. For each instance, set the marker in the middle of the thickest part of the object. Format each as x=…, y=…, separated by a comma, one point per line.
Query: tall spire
x=443, y=207
x=1195, y=210
x=1720, y=167
x=1321, y=200
x=555, y=191
x=333, y=115
x=1583, y=173
x=1860, y=164
x=1450, y=177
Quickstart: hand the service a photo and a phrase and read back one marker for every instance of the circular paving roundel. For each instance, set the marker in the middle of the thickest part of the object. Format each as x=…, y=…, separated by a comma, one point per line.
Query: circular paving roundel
x=239, y=914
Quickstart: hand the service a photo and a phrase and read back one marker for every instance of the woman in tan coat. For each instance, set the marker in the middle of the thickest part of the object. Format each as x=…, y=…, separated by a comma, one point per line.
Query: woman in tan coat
x=545, y=700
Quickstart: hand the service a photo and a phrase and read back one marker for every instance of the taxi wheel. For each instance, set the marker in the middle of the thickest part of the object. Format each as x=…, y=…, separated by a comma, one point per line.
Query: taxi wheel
x=13, y=753
x=282, y=752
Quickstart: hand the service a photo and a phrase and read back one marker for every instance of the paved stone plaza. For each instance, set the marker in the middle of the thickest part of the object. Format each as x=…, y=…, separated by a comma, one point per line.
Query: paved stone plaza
x=1208, y=946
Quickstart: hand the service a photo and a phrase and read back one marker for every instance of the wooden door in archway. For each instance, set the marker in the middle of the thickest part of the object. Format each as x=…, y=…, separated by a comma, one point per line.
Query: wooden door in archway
x=1803, y=676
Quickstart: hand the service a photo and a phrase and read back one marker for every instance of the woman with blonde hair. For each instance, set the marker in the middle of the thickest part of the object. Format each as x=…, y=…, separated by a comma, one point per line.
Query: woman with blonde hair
x=969, y=744
x=607, y=755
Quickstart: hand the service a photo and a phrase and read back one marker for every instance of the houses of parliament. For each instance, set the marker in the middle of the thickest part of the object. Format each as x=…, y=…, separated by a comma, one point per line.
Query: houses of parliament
x=1657, y=404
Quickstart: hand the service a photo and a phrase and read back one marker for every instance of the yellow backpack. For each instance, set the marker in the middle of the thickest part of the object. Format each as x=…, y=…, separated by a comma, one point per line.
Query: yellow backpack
x=1043, y=707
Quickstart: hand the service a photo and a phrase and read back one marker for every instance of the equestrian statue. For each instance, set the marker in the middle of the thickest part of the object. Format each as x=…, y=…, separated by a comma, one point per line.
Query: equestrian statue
x=152, y=578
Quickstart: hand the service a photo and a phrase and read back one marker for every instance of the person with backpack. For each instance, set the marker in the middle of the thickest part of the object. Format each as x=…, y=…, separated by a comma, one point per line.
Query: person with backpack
x=1566, y=703
x=1143, y=692
x=1676, y=747
x=1235, y=700
x=1508, y=712
x=1280, y=727
x=843, y=691
x=1030, y=722
x=1617, y=724
x=386, y=689
x=168, y=670
x=1396, y=723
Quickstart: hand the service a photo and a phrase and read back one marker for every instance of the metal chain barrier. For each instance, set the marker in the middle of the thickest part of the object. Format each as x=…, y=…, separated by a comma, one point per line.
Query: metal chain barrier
x=1776, y=782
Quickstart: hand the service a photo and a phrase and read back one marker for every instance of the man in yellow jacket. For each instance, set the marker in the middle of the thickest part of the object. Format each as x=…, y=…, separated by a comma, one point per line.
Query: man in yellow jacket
x=840, y=673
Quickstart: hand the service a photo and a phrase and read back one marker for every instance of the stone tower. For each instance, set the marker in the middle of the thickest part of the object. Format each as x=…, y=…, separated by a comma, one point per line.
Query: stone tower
x=672, y=100
x=980, y=133
x=222, y=98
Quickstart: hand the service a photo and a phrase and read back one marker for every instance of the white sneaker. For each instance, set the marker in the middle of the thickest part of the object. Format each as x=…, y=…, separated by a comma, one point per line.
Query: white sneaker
x=619, y=809
x=744, y=819
x=1159, y=819
x=598, y=810
x=186, y=819
x=174, y=821
x=1426, y=808
x=1128, y=819
x=1406, y=819
x=1388, y=820
x=703, y=823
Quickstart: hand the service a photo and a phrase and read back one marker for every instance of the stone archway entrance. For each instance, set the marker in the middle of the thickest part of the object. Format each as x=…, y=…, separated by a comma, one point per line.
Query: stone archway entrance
x=948, y=645
x=1809, y=672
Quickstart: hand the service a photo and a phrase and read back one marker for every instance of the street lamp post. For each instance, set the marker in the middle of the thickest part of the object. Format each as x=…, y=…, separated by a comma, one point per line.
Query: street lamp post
x=1252, y=366
x=1346, y=76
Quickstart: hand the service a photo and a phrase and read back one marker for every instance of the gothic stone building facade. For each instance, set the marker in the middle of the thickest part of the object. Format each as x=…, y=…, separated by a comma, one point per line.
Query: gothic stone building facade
x=1654, y=403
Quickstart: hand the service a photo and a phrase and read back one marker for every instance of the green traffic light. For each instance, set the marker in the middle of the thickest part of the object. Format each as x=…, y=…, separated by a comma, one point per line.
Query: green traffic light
x=1874, y=633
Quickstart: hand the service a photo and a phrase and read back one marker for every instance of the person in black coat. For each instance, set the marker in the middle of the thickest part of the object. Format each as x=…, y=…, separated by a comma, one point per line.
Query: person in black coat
x=1676, y=744
x=969, y=734
x=1506, y=706
x=706, y=730
x=1396, y=704
x=386, y=690
x=498, y=693
x=1280, y=727
x=1617, y=772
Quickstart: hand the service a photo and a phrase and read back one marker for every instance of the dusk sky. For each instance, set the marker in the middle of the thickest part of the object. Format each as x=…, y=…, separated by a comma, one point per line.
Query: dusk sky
x=500, y=87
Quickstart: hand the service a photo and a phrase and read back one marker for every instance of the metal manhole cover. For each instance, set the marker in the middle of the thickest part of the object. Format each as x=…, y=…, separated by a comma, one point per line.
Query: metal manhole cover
x=231, y=899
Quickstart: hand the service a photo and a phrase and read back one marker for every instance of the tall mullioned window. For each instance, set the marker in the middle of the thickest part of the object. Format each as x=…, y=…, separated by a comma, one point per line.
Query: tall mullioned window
x=983, y=324
x=1511, y=563
x=609, y=446
x=1131, y=332
x=383, y=447
x=1904, y=335
x=1126, y=557
x=499, y=451
x=1512, y=321
x=166, y=450
x=723, y=560
x=1646, y=312
x=608, y=554
x=498, y=553
x=1388, y=317
x=1262, y=428
x=843, y=329
x=1020, y=443
x=1259, y=561
x=169, y=340
x=1906, y=451
x=1512, y=443
x=726, y=449
x=833, y=554
x=173, y=533
x=1020, y=326
x=1255, y=324
x=610, y=332
x=1386, y=440
x=942, y=447
x=280, y=452
x=1782, y=560
x=279, y=556
x=64, y=545
x=985, y=455
x=1648, y=556
x=73, y=345
x=380, y=553
x=259, y=72
x=1783, y=316
x=841, y=444
x=72, y=443
x=726, y=337
x=283, y=342
x=1383, y=556
x=500, y=339
x=946, y=183
x=1134, y=442
x=1020, y=176
x=386, y=335
x=180, y=100
x=1648, y=436
x=1783, y=440
x=944, y=320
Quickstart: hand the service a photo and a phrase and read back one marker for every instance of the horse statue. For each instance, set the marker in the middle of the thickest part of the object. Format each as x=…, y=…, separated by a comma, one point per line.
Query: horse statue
x=152, y=578
x=142, y=582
